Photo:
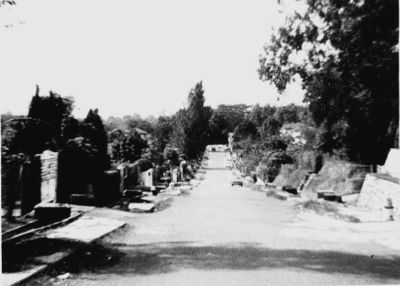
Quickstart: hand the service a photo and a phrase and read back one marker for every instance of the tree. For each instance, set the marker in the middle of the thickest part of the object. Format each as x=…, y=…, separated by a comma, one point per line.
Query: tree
x=28, y=136
x=218, y=128
x=113, y=122
x=224, y=119
x=260, y=113
x=51, y=110
x=140, y=123
x=270, y=127
x=94, y=131
x=162, y=131
x=349, y=71
x=245, y=130
x=170, y=154
x=70, y=129
x=288, y=114
x=192, y=124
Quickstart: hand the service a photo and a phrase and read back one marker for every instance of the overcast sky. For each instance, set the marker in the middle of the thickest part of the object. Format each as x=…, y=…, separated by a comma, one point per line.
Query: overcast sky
x=127, y=57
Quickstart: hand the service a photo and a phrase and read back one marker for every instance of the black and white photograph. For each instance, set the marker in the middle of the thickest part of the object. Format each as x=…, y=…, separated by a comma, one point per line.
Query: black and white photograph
x=187, y=142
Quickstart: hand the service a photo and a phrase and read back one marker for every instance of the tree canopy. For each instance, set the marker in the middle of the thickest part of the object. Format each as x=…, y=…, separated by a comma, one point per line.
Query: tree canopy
x=192, y=124
x=346, y=53
x=51, y=110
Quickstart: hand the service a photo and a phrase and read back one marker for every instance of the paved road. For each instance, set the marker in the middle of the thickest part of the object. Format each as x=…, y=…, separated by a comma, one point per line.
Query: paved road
x=223, y=235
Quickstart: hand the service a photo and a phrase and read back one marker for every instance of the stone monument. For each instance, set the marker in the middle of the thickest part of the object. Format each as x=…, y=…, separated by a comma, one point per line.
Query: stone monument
x=147, y=178
x=49, y=161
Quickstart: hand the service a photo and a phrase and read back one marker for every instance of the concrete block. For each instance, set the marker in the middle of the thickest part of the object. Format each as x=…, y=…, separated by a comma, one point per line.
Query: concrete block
x=52, y=212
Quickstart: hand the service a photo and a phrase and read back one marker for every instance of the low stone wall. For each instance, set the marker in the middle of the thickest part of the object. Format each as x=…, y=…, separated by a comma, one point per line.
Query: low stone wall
x=376, y=191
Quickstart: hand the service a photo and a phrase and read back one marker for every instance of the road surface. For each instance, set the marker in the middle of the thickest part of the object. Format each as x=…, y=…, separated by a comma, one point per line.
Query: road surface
x=224, y=235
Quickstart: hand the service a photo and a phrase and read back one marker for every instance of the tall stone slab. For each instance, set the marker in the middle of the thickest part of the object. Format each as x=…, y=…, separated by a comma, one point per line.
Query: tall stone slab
x=123, y=171
x=392, y=164
x=49, y=162
x=147, y=178
x=175, y=175
x=230, y=141
x=376, y=191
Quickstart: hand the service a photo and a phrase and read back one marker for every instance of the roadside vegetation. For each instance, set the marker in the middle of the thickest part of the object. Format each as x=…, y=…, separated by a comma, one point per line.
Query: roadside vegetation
x=345, y=53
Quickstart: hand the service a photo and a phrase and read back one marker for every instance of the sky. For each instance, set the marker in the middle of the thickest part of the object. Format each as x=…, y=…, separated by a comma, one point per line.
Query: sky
x=143, y=57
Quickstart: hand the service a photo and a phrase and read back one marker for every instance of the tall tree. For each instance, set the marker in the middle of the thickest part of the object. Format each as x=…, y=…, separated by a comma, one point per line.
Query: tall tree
x=192, y=124
x=162, y=131
x=259, y=113
x=224, y=119
x=349, y=69
x=51, y=110
x=93, y=129
x=245, y=130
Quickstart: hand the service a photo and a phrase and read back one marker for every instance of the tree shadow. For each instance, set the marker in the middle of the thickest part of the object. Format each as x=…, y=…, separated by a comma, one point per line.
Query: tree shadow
x=167, y=257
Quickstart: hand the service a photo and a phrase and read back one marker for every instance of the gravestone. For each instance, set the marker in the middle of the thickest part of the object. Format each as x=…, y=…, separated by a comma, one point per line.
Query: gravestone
x=230, y=141
x=182, y=169
x=123, y=170
x=147, y=178
x=48, y=187
x=175, y=175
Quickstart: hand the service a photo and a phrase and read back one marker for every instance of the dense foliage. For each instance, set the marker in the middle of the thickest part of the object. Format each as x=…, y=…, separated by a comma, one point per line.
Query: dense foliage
x=268, y=137
x=347, y=56
x=191, y=130
x=223, y=120
x=51, y=111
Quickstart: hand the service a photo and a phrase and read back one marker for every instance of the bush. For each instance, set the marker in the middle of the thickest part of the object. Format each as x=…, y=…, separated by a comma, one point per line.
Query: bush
x=270, y=165
x=171, y=155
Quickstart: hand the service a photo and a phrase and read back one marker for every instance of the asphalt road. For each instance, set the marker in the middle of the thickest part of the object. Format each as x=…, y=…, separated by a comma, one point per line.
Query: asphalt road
x=223, y=235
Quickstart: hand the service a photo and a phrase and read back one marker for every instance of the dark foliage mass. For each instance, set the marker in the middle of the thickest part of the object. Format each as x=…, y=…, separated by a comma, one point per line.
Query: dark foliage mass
x=224, y=120
x=163, y=131
x=93, y=130
x=350, y=74
x=51, y=111
x=245, y=129
x=262, y=147
x=192, y=124
x=41, y=129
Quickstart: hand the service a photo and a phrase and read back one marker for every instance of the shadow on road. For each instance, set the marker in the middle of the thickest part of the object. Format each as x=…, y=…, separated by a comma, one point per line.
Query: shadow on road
x=216, y=169
x=167, y=257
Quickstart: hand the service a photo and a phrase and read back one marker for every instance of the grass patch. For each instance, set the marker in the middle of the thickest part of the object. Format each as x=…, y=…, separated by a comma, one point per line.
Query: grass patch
x=273, y=194
x=320, y=207
x=326, y=208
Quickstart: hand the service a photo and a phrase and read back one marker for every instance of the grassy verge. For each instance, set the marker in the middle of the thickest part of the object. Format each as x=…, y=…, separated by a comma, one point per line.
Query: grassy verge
x=326, y=208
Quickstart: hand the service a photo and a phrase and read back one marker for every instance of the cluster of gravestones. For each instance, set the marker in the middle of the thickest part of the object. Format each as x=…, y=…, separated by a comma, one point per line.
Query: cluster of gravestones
x=41, y=180
x=38, y=181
